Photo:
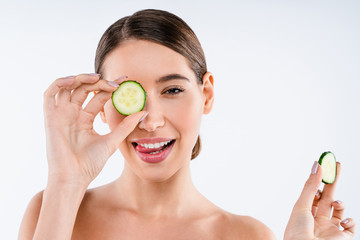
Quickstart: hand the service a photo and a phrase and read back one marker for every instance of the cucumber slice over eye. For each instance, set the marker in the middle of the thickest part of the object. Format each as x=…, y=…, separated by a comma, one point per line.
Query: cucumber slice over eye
x=129, y=97
x=328, y=164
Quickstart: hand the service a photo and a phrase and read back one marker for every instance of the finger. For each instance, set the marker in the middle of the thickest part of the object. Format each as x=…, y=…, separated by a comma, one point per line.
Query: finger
x=117, y=135
x=327, y=197
x=84, y=78
x=88, y=77
x=329, y=189
x=70, y=82
x=338, y=212
x=63, y=96
x=97, y=103
x=80, y=94
x=53, y=89
x=310, y=188
x=316, y=202
x=118, y=81
x=349, y=226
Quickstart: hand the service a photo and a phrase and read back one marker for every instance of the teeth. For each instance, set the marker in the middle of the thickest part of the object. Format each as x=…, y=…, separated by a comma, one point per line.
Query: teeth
x=155, y=145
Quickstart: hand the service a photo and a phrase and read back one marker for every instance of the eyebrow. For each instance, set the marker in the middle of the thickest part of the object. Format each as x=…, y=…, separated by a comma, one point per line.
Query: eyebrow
x=172, y=76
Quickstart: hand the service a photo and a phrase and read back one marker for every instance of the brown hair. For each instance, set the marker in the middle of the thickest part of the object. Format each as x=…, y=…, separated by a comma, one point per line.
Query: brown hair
x=160, y=27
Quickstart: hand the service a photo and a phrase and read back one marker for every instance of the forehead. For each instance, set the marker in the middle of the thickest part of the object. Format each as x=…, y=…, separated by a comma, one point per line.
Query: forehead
x=143, y=59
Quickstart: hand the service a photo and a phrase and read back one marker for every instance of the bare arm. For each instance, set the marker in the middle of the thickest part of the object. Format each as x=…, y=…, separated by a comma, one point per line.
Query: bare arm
x=75, y=153
x=29, y=221
x=59, y=208
x=51, y=214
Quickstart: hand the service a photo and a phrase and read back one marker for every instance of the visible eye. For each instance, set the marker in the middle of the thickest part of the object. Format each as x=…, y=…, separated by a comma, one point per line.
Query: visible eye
x=173, y=91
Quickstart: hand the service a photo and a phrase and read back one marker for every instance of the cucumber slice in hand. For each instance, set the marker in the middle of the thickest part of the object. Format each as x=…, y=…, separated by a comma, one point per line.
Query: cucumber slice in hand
x=328, y=164
x=129, y=97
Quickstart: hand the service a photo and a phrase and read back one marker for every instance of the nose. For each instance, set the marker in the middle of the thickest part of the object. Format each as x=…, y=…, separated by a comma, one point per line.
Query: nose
x=155, y=118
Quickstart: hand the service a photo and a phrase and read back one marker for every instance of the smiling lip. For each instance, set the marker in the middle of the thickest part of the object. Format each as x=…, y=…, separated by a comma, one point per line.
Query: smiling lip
x=145, y=153
x=151, y=140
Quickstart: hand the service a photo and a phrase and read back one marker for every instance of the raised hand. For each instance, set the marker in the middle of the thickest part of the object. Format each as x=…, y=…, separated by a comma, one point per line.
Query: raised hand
x=311, y=217
x=75, y=152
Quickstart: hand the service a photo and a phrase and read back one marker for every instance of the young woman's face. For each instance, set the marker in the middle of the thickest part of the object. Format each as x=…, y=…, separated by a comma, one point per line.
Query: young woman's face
x=175, y=102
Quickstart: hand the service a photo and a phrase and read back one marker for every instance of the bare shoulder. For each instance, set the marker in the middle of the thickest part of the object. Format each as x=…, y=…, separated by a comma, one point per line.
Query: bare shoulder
x=32, y=213
x=250, y=228
x=30, y=219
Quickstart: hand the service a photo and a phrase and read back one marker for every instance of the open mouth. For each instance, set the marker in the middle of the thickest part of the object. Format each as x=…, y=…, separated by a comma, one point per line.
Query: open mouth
x=153, y=152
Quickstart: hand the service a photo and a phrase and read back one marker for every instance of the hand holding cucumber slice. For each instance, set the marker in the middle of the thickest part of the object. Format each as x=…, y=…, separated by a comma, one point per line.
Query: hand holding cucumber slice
x=328, y=164
x=129, y=97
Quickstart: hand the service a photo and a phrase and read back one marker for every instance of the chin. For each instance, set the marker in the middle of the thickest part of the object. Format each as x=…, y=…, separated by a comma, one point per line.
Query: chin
x=155, y=178
x=155, y=173
x=159, y=174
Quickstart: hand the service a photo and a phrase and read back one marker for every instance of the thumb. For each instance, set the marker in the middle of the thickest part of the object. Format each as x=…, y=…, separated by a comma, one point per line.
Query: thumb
x=310, y=188
x=115, y=137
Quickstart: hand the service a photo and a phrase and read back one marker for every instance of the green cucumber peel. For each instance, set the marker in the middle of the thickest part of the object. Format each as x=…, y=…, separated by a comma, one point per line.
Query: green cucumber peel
x=327, y=161
x=129, y=97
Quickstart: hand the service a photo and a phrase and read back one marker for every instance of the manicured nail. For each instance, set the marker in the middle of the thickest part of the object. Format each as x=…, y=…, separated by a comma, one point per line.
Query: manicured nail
x=94, y=74
x=315, y=167
x=143, y=117
x=113, y=84
x=345, y=221
x=121, y=78
x=339, y=202
x=70, y=76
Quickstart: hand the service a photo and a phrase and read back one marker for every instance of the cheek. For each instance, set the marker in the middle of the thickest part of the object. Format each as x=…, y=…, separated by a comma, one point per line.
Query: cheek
x=186, y=114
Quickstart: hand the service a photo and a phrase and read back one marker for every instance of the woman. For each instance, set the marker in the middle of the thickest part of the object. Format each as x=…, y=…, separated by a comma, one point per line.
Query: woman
x=154, y=198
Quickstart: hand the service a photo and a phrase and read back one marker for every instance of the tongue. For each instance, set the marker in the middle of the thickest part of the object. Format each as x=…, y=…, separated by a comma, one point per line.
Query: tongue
x=148, y=150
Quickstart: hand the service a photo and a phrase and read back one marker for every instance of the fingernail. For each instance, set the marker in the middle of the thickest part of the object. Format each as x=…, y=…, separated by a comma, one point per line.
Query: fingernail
x=121, y=78
x=345, y=221
x=70, y=76
x=143, y=117
x=318, y=193
x=315, y=167
x=113, y=84
x=94, y=74
x=339, y=202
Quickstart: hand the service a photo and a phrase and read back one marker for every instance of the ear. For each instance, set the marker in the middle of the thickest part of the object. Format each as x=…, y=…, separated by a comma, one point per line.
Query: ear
x=208, y=92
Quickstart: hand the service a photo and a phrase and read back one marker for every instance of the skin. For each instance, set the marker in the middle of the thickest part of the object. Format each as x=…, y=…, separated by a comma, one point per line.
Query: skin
x=148, y=201
x=312, y=216
x=159, y=197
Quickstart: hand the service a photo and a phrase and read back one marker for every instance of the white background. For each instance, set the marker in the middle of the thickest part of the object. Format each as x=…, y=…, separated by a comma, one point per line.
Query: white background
x=287, y=89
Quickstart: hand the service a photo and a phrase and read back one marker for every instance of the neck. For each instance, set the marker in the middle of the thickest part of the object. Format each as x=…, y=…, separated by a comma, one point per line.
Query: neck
x=157, y=199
